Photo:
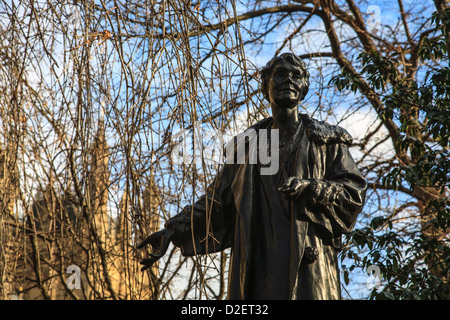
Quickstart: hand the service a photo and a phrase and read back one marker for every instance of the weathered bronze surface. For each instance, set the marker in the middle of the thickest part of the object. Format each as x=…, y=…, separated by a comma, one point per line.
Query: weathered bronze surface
x=284, y=229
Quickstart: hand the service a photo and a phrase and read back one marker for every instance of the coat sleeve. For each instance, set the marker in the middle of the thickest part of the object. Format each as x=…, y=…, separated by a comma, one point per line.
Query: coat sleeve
x=337, y=198
x=207, y=226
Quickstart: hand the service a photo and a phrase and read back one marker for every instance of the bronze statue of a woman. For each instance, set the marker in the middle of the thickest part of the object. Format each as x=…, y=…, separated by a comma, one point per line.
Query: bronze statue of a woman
x=285, y=228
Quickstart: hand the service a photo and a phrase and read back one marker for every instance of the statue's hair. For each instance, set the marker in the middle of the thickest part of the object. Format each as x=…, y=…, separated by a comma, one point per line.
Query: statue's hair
x=266, y=72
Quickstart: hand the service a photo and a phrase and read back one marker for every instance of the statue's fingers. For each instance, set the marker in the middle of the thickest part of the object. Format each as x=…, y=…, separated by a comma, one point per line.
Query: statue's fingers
x=147, y=263
x=296, y=189
x=287, y=185
x=162, y=250
x=289, y=181
x=153, y=239
x=296, y=185
x=300, y=185
x=144, y=243
x=157, y=255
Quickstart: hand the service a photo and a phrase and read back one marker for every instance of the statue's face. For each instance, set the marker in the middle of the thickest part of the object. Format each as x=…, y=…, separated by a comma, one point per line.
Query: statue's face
x=286, y=84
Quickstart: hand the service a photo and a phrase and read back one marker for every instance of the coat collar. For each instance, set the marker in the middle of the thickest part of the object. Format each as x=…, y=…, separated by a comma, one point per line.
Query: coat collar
x=318, y=131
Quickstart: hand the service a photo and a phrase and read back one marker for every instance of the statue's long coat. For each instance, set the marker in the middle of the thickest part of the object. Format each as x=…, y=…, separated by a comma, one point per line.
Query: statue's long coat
x=268, y=234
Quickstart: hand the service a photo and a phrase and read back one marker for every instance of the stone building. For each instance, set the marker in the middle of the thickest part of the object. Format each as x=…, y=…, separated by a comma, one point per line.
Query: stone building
x=60, y=233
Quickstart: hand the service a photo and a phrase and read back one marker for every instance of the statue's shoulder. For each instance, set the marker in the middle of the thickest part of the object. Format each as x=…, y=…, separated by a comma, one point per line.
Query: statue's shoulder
x=322, y=132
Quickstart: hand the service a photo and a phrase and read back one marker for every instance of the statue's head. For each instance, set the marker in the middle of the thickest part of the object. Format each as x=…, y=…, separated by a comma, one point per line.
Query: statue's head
x=267, y=73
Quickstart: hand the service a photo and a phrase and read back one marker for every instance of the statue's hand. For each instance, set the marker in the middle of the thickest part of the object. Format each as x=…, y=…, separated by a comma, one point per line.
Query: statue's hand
x=175, y=230
x=160, y=243
x=294, y=187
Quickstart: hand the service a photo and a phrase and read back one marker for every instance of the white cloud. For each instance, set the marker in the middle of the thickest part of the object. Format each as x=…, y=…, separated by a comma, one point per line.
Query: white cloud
x=361, y=123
